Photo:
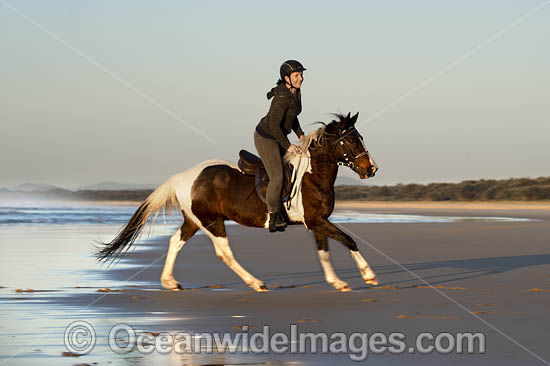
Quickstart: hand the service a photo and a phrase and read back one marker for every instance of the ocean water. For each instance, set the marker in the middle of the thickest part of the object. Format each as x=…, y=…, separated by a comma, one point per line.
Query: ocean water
x=77, y=214
x=58, y=214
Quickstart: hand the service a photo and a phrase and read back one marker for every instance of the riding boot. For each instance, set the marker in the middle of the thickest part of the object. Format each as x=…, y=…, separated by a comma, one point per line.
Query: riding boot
x=280, y=222
x=284, y=216
x=276, y=223
x=272, y=227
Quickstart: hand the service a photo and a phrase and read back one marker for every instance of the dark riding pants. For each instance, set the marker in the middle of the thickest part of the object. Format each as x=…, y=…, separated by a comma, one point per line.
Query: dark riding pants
x=271, y=154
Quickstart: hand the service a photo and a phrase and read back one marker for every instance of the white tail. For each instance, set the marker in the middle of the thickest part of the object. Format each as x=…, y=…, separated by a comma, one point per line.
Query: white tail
x=164, y=197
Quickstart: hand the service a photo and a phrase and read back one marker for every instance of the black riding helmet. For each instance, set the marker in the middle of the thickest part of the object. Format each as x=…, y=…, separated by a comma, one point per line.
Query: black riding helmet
x=290, y=66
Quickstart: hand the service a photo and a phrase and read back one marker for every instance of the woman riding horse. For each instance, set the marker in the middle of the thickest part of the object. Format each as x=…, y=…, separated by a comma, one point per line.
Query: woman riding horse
x=214, y=191
x=270, y=136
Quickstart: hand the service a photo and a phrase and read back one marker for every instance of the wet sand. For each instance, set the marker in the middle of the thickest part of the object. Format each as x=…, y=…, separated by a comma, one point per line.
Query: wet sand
x=488, y=269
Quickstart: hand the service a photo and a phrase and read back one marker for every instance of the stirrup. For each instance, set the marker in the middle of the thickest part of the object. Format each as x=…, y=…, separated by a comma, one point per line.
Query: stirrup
x=276, y=223
x=280, y=223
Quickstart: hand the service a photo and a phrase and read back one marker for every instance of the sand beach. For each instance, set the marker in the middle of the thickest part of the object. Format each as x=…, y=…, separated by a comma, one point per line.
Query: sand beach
x=474, y=272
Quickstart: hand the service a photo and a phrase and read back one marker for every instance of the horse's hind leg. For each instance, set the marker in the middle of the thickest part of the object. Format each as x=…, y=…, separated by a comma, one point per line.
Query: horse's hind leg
x=177, y=241
x=324, y=258
x=216, y=233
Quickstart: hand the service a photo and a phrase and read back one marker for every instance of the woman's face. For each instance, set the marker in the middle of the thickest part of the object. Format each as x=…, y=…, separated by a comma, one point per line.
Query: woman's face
x=296, y=78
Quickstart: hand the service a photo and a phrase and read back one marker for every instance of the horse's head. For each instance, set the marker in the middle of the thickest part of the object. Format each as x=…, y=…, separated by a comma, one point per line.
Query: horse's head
x=348, y=146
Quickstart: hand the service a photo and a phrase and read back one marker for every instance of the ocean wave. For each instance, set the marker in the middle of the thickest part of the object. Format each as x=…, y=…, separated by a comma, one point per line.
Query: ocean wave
x=67, y=215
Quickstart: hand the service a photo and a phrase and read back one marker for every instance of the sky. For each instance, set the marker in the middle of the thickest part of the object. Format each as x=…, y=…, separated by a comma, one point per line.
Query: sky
x=136, y=91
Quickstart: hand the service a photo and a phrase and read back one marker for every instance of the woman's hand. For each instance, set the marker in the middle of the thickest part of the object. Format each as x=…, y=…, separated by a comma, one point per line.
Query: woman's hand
x=302, y=139
x=294, y=149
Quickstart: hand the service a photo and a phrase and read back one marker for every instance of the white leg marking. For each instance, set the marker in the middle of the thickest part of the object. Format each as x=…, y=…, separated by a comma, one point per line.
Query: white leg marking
x=167, y=279
x=366, y=272
x=330, y=275
x=224, y=252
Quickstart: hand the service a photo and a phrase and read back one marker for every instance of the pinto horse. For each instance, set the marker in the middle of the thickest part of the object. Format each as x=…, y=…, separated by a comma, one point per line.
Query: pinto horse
x=216, y=190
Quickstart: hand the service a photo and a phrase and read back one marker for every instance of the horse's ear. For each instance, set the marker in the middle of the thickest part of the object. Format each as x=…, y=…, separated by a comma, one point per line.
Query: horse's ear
x=345, y=122
x=354, y=119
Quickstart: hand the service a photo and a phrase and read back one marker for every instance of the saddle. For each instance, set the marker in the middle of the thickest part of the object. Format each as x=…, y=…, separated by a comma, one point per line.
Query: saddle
x=252, y=165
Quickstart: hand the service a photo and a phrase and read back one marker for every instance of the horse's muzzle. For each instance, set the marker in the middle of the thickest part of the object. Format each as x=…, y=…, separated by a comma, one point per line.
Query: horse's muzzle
x=365, y=173
x=371, y=171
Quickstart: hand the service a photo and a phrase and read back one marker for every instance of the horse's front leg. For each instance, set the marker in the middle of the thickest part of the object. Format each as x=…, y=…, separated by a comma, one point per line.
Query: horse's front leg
x=366, y=272
x=324, y=258
x=324, y=227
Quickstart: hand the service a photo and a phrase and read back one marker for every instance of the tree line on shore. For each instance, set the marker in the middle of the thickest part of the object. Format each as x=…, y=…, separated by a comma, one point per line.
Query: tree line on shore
x=514, y=189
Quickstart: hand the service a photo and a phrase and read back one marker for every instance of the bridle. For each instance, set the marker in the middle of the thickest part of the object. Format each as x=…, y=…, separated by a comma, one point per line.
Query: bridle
x=349, y=162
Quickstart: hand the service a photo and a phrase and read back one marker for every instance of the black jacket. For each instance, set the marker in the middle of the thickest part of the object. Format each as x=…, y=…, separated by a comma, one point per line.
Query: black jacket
x=282, y=116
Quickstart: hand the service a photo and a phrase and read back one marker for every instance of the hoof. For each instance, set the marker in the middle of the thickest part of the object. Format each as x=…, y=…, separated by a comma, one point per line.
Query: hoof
x=341, y=286
x=261, y=288
x=372, y=281
x=171, y=284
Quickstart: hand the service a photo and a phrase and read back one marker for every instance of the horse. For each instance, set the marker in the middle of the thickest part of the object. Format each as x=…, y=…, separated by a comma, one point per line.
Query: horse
x=217, y=190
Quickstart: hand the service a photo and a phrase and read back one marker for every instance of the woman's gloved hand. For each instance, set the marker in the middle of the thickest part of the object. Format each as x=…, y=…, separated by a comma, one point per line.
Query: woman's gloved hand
x=294, y=149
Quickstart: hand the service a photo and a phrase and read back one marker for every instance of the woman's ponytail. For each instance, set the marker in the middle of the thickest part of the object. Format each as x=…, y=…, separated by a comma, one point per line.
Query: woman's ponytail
x=271, y=93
